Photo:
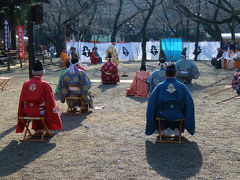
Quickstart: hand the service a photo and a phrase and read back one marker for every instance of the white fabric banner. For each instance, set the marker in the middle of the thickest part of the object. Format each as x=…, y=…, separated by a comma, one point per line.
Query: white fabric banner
x=133, y=51
x=153, y=49
x=208, y=50
x=124, y=51
x=85, y=50
x=136, y=50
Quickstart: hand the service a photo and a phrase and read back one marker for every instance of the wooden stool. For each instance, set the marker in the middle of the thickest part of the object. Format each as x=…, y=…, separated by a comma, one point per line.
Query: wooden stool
x=72, y=110
x=4, y=82
x=171, y=137
x=26, y=121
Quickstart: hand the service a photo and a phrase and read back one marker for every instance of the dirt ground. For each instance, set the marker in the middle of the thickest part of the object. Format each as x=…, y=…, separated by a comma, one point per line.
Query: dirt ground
x=111, y=144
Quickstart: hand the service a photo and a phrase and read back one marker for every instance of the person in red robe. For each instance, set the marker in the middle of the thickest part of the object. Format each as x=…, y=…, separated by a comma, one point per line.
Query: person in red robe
x=139, y=87
x=37, y=100
x=94, y=56
x=109, y=72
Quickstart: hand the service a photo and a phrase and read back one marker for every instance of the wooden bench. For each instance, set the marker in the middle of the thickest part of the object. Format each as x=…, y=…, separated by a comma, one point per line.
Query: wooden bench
x=170, y=139
x=4, y=82
x=27, y=121
x=10, y=58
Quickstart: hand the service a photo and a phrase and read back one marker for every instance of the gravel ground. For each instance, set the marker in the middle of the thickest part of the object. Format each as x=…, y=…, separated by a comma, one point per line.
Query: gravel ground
x=110, y=143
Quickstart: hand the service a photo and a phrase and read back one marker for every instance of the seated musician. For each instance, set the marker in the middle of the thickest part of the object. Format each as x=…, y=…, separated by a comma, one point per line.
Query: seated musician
x=37, y=100
x=225, y=54
x=94, y=56
x=235, y=78
x=170, y=100
x=237, y=88
x=186, y=70
x=75, y=83
x=219, y=55
x=236, y=58
x=109, y=72
x=157, y=76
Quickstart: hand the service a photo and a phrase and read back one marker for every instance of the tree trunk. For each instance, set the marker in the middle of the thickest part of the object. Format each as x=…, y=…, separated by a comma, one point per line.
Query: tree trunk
x=196, y=43
x=59, y=40
x=13, y=26
x=115, y=23
x=232, y=29
x=144, y=38
x=187, y=31
x=197, y=34
x=144, y=53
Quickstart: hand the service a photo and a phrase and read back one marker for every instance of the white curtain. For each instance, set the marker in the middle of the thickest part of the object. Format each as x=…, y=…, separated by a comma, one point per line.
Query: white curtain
x=208, y=50
x=153, y=50
x=133, y=51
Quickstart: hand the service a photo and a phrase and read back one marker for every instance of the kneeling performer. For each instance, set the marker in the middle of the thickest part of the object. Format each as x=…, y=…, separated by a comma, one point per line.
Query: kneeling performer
x=109, y=72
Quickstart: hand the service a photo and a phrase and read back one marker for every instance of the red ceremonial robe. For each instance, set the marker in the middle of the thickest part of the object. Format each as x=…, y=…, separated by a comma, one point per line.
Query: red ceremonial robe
x=139, y=86
x=109, y=73
x=37, y=96
x=94, y=59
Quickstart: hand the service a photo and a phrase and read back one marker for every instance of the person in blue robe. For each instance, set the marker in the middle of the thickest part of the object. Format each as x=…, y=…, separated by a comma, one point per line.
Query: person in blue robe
x=157, y=76
x=75, y=83
x=186, y=70
x=170, y=100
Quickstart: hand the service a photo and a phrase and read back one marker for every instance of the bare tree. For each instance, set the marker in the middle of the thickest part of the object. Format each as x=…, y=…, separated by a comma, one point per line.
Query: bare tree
x=150, y=6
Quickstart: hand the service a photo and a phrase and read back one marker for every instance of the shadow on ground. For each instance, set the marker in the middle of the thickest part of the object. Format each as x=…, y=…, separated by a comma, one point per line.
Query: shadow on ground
x=174, y=161
x=15, y=156
x=70, y=122
x=138, y=99
x=7, y=131
x=105, y=87
x=195, y=87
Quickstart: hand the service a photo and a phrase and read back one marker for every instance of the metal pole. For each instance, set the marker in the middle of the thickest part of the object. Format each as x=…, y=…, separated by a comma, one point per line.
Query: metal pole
x=30, y=48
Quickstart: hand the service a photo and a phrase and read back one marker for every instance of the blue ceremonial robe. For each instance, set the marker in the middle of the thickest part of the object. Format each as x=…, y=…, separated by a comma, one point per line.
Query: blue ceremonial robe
x=155, y=78
x=68, y=84
x=186, y=69
x=170, y=100
x=238, y=87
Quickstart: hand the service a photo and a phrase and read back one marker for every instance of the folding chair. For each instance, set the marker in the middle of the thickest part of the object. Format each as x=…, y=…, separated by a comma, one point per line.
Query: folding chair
x=72, y=110
x=26, y=121
x=169, y=139
x=4, y=82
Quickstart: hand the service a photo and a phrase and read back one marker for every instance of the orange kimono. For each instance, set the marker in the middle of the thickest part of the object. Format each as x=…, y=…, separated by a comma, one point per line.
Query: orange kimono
x=139, y=86
x=64, y=58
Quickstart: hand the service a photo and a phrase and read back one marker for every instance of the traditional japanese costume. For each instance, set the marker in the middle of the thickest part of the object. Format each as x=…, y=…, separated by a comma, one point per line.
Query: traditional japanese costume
x=139, y=87
x=94, y=57
x=156, y=77
x=109, y=73
x=170, y=100
x=75, y=83
x=37, y=100
x=186, y=70
x=112, y=50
